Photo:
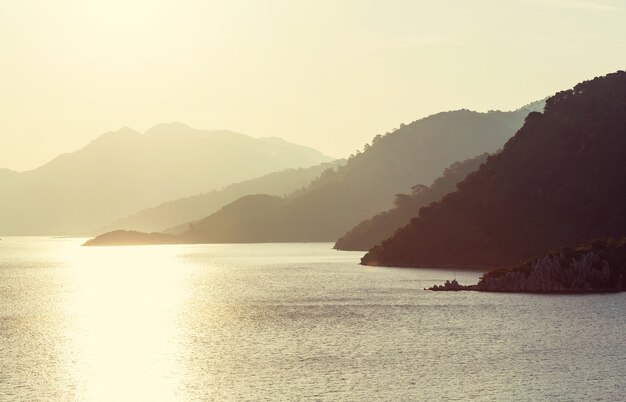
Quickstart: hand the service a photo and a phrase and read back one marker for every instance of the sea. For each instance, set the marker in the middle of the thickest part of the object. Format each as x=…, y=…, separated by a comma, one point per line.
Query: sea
x=287, y=322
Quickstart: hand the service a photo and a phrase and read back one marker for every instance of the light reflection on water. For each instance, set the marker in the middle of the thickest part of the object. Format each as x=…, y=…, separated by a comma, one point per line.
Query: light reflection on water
x=285, y=321
x=125, y=305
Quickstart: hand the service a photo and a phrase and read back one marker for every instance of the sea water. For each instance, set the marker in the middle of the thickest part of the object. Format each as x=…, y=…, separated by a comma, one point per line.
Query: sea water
x=286, y=322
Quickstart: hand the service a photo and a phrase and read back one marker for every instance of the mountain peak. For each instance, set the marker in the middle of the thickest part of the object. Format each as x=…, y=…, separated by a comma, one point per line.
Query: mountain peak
x=124, y=132
x=164, y=128
x=177, y=129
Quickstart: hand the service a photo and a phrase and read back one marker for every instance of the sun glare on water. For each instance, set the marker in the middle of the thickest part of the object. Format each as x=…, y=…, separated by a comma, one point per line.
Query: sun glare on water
x=123, y=305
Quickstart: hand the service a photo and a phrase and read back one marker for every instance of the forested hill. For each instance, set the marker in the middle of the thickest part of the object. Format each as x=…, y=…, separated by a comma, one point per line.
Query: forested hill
x=339, y=199
x=561, y=180
x=372, y=231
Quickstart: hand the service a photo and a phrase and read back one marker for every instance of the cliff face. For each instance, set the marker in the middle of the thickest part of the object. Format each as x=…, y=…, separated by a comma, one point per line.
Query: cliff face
x=597, y=267
x=558, y=273
x=560, y=180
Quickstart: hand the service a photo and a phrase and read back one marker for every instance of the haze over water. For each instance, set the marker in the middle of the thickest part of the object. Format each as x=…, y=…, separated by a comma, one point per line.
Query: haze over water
x=286, y=321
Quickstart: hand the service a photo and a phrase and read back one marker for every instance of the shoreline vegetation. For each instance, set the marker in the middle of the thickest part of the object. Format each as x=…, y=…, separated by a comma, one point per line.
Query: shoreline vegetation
x=598, y=267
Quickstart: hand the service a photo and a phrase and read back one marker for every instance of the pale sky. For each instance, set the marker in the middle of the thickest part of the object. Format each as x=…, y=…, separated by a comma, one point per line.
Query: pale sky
x=330, y=74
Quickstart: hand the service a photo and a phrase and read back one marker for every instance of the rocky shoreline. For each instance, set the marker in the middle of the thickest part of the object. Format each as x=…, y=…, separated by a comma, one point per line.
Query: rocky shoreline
x=599, y=267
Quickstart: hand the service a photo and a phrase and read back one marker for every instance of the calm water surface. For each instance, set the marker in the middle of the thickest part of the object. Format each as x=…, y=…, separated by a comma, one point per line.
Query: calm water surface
x=286, y=322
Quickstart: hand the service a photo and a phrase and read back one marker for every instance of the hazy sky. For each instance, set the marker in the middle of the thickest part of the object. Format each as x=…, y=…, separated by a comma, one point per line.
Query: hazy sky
x=329, y=74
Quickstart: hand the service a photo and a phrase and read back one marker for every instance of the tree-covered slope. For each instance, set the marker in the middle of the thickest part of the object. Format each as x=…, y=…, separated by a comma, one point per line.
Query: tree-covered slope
x=561, y=180
x=372, y=231
x=339, y=199
x=169, y=215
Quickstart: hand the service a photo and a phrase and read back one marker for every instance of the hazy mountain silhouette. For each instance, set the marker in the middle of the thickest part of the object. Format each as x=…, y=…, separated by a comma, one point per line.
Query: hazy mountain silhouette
x=168, y=216
x=372, y=231
x=339, y=199
x=6, y=173
x=132, y=238
x=561, y=180
x=121, y=172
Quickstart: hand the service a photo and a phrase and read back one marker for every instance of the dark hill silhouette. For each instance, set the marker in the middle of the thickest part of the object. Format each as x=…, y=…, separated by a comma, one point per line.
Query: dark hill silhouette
x=339, y=199
x=122, y=172
x=561, y=180
x=372, y=231
x=188, y=209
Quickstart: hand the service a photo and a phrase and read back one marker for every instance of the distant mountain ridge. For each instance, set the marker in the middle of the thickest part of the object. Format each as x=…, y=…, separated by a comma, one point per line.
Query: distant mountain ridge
x=416, y=152
x=561, y=180
x=121, y=172
x=339, y=199
x=169, y=215
x=7, y=174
